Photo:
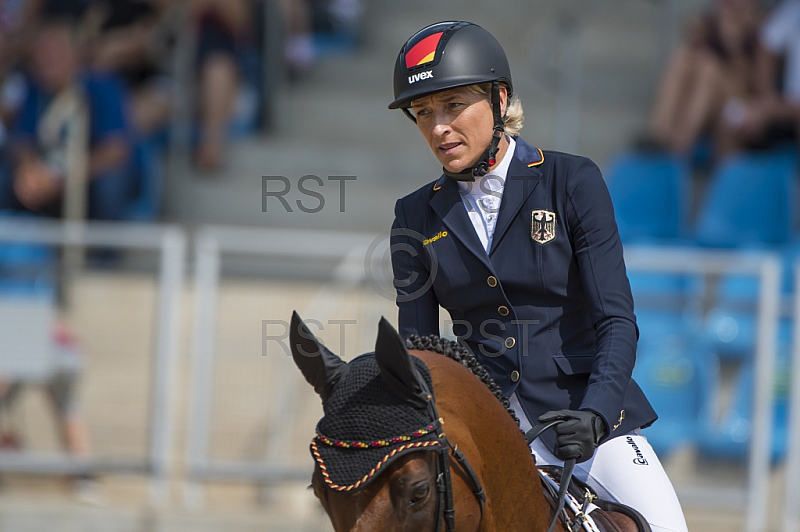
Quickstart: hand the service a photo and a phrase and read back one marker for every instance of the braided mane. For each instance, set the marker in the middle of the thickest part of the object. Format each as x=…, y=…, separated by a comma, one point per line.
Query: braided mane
x=463, y=356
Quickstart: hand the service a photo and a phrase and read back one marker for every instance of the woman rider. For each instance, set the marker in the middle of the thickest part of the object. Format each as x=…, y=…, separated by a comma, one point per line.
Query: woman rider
x=520, y=246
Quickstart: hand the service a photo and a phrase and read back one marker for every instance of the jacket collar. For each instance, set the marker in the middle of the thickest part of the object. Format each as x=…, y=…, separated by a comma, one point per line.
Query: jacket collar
x=523, y=176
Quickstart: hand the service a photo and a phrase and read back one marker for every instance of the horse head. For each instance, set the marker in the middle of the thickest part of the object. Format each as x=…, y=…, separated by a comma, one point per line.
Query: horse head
x=377, y=445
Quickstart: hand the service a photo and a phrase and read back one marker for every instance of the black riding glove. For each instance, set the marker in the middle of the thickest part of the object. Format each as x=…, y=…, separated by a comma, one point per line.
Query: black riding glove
x=579, y=433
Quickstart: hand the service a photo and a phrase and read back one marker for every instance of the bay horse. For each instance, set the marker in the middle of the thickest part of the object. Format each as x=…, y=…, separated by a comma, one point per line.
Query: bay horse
x=413, y=441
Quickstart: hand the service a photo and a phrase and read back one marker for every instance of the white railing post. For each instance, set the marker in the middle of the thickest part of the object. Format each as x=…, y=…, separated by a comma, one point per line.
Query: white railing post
x=791, y=503
x=170, y=292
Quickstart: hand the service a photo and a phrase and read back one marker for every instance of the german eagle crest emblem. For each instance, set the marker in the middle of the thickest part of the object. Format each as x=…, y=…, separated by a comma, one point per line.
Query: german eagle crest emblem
x=543, y=226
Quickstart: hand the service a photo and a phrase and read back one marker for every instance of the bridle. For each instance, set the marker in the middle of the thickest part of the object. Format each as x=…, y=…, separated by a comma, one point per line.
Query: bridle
x=445, y=509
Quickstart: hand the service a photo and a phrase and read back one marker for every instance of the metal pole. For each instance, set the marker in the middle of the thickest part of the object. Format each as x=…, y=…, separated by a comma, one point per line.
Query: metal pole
x=171, y=242
x=272, y=65
x=767, y=267
x=173, y=252
x=206, y=283
x=210, y=243
x=183, y=72
x=791, y=505
x=763, y=396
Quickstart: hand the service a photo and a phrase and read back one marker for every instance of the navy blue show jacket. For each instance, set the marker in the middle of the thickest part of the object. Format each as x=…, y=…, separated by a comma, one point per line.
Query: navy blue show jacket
x=548, y=310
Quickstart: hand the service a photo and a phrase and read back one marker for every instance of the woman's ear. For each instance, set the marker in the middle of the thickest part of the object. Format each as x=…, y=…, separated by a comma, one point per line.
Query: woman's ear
x=503, y=100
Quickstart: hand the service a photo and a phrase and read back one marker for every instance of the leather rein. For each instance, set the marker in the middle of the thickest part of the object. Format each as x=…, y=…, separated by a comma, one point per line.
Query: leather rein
x=445, y=509
x=444, y=486
x=566, y=475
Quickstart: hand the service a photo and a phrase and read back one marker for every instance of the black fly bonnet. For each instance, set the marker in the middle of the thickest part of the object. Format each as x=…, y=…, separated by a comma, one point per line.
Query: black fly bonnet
x=366, y=427
x=377, y=408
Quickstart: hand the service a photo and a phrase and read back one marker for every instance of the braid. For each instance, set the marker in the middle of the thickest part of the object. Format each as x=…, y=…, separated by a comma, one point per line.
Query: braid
x=463, y=356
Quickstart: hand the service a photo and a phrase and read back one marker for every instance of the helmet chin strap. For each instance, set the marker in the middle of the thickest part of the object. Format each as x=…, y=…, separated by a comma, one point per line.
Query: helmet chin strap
x=488, y=159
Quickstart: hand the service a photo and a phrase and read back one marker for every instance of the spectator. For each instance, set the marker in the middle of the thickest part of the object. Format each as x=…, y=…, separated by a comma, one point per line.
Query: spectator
x=772, y=116
x=225, y=38
x=70, y=422
x=307, y=18
x=16, y=20
x=299, y=50
x=126, y=45
x=12, y=91
x=72, y=127
x=707, y=77
x=8, y=436
x=72, y=10
x=337, y=17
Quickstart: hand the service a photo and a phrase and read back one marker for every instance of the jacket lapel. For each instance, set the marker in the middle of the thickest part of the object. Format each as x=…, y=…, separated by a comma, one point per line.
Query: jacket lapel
x=523, y=176
x=447, y=204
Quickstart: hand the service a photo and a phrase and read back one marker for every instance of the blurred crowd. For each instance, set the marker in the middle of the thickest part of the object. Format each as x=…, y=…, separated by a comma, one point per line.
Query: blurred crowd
x=87, y=90
x=717, y=168
x=726, y=111
x=87, y=98
x=733, y=84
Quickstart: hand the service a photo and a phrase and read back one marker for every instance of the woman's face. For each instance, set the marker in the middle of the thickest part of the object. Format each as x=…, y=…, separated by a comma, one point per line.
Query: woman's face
x=457, y=124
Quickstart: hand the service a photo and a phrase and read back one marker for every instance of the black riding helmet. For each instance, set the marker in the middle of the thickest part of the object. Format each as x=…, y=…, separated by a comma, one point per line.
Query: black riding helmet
x=446, y=55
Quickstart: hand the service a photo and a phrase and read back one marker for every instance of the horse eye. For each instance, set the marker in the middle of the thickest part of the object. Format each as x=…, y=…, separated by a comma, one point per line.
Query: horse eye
x=420, y=494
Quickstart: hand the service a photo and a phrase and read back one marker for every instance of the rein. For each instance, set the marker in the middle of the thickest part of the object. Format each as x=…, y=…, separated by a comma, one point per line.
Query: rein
x=566, y=476
x=445, y=509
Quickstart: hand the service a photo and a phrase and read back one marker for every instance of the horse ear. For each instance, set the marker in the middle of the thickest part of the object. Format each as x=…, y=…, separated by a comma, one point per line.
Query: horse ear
x=321, y=368
x=397, y=368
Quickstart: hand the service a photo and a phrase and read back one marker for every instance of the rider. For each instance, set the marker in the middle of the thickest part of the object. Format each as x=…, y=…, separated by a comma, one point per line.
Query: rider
x=520, y=246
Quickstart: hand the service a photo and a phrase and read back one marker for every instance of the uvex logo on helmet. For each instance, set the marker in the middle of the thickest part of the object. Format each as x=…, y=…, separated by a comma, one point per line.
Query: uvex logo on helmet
x=420, y=76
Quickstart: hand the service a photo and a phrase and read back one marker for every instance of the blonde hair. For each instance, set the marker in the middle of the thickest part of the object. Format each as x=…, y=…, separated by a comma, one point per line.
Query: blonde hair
x=514, y=116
